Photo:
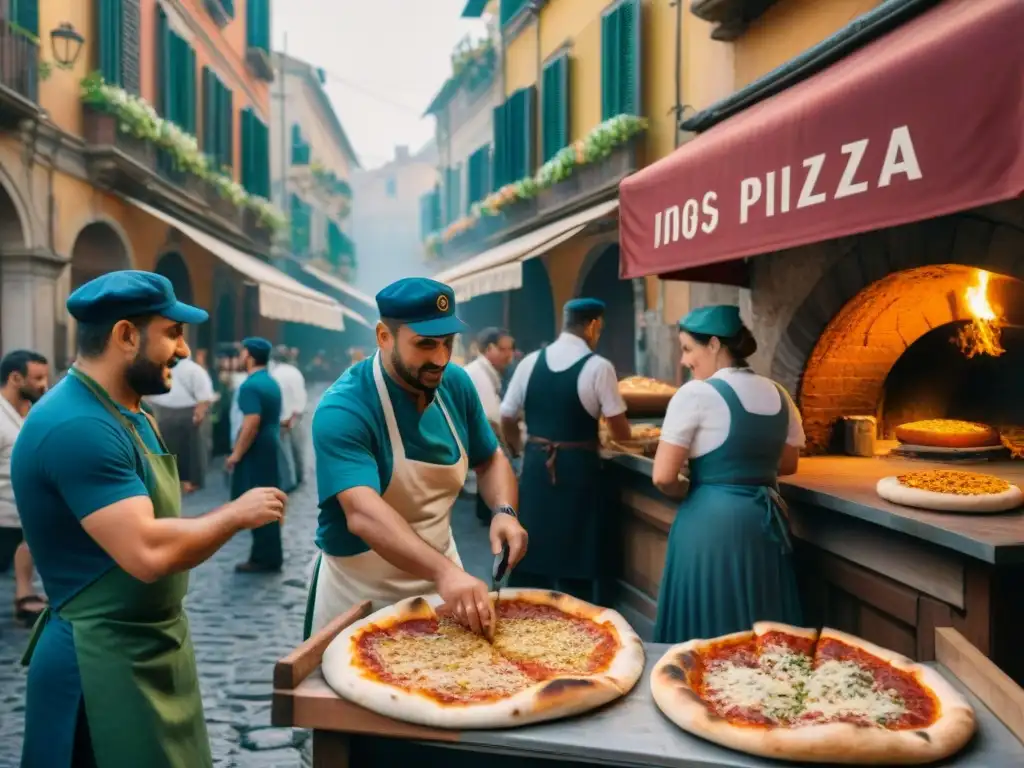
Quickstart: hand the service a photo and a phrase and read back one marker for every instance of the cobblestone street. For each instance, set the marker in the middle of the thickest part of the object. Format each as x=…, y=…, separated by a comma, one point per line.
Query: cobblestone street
x=241, y=625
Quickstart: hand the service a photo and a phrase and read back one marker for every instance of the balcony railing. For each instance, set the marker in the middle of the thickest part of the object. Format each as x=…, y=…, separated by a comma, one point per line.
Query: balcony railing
x=19, y=71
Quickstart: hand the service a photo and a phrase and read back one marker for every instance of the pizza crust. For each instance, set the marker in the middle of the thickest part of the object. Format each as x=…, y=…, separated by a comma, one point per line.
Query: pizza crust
x=891, y=489
x=833, y=743
x=549, y=700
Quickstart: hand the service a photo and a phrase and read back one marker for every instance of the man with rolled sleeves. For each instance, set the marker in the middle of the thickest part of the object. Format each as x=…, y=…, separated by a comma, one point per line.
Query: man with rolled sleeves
x=394, y=438
x=112, y=679
x=254, y=460
x=564, y=389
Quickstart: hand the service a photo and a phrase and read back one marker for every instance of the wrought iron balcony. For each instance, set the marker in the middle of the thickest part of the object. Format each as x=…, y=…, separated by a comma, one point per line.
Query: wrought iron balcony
x=19, y=74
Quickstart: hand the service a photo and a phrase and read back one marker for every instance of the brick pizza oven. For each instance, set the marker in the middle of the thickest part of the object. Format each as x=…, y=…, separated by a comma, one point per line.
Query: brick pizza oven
x=866, y=325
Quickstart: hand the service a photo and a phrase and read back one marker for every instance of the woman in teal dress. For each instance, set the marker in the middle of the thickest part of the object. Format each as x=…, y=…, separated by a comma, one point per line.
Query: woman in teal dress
x=728, y=562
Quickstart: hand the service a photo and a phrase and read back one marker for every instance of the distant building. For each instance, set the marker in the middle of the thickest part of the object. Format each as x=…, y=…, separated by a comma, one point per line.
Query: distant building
x=386, y=217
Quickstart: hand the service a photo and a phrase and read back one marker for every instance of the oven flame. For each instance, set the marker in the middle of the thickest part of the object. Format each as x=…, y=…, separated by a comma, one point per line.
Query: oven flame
x=983, y=335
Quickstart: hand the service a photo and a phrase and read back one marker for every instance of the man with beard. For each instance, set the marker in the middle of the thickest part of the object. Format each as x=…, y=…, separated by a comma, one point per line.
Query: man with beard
x=255, y=459
x=394, y=438
x=112, y=678
x=24, y=376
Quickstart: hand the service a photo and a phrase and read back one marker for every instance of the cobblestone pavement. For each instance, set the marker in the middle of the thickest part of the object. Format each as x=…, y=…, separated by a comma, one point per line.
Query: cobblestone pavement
x=241, y=625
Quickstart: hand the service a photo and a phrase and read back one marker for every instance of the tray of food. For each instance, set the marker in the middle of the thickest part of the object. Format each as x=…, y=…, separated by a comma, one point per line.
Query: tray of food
x=645, y=396
x=643, y=441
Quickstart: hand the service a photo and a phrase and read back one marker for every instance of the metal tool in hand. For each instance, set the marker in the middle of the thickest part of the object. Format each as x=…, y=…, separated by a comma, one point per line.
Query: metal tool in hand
x=499, y=573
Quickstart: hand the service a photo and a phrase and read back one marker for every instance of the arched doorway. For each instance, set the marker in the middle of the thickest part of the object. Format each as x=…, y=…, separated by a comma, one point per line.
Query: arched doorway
x=532, y=308
x=601, y=281
x=224, y=320
x=12, y=237
x=98, y=249
x=172, y=266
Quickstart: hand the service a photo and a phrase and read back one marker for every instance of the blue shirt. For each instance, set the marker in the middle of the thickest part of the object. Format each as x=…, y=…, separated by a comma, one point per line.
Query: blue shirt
x=73, y=457
x=260, y=396
x=350, y=438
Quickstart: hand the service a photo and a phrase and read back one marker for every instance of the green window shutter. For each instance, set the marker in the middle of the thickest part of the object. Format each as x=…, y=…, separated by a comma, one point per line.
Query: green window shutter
x=226, y=127
x=110, y=31
x=300, y=217
x=25, y=13
x=508, y=10
x=514, y=121
x=131, y=46
x=555, y=109
x=611, y=45
x=258, y=24
x=164, y=56
x=245, y=127
x=629, y=63
x=500, y=158
x=210, y=143
x=524, y=127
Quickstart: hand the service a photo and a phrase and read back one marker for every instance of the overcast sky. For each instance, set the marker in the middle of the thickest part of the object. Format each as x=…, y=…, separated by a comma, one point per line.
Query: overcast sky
x=385, y=60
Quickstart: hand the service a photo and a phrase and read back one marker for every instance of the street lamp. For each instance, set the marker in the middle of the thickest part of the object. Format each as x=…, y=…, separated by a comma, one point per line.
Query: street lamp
x=67, y=45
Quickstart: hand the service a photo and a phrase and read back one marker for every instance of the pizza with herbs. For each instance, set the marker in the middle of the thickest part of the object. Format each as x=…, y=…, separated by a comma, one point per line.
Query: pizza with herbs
x=947, y=433
x=551, y=656
x=645, y=386
x=950, y=490
x=793, y=694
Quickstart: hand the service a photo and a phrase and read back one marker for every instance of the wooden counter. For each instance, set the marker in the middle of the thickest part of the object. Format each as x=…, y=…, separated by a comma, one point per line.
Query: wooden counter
x=629, y=732
x=888, y=573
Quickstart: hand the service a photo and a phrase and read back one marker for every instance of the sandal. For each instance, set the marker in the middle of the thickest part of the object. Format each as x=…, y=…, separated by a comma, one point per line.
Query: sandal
x=25, y=615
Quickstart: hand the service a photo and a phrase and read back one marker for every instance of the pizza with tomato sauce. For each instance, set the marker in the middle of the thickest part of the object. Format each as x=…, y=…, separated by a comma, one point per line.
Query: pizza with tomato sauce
x=551, y=656
x=793, y=694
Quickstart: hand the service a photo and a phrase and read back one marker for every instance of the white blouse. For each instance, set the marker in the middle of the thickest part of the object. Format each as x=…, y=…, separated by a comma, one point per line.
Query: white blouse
x=698, y=417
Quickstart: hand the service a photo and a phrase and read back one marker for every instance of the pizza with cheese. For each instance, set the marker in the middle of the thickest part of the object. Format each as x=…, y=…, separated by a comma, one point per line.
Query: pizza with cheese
x=646, y=386
x=947, y=433
x=950, y=490
x=551, y=656
x=793, y=694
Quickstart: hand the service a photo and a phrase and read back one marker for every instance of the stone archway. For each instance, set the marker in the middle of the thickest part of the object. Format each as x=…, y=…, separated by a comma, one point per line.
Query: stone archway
x=98, y=249
x=172, y=266
x=890, y=289
x=531, y=313
x=602, y=281
x=12, y=239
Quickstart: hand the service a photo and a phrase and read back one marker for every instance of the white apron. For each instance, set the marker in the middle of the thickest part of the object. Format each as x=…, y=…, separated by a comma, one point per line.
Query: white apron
x=421, y=493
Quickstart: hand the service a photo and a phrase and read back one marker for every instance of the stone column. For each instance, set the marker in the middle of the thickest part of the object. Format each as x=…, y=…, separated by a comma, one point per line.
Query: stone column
x=29, y=300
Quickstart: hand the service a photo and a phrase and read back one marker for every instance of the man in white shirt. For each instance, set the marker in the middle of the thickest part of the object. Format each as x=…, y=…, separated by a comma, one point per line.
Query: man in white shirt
x=180, y=414
x=24, y=377
x=497, y=347
x=563, y=390
x=293, y=406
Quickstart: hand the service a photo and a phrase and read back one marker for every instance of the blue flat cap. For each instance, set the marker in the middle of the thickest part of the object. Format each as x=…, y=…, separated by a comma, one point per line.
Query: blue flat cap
x=130, y=293
x=257, y=344
x=722, y=320
x=425, y=305
x=584, y=304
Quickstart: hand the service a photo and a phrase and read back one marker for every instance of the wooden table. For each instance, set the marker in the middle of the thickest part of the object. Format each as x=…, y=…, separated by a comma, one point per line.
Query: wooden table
x=629, y=732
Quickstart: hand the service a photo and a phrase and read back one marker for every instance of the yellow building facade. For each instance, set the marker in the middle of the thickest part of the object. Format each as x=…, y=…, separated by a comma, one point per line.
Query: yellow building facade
x=82, y=193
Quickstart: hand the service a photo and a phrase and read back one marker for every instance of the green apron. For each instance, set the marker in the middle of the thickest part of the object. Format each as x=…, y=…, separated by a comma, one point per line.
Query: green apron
x=134, y=656
x=728, y=562
x=560, y=493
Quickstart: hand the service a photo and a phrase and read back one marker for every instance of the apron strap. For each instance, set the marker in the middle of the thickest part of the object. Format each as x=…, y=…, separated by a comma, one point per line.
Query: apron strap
x=551, y=448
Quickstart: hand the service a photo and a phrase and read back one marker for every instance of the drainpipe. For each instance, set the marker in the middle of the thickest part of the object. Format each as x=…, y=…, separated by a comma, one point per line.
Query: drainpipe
x=678, y=109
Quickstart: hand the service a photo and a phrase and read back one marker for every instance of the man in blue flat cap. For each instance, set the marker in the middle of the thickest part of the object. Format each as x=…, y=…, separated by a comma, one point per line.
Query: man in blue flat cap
x=112, y=678
x=564, y=390
x=394, y=438
x=255, y=459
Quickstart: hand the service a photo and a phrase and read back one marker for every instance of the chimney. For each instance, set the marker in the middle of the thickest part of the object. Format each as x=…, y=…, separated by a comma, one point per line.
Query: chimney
x=402, y=153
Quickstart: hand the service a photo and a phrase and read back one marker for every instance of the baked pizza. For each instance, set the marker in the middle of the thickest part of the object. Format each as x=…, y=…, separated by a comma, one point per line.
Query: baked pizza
x=947, y=433
x=950, y=490
x=645, y=385
x=791, y=694
x=552, y=656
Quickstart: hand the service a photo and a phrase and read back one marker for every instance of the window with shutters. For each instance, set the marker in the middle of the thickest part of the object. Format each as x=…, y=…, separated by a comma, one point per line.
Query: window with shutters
x=177, y=96
x=500, y=157
x=430, y=213
x=301, y=224
x=109, y=37
x=131, y=46
x=218, y=120
x=340, y=248
x=510, y=9
x=620, y=60
x=555, y=107
x=257, y=37
x=453, y=194
x=221, y=11
x=255, y=154
x=515, y=125
x=24, y=14
x=301, y=150
x=478, y=176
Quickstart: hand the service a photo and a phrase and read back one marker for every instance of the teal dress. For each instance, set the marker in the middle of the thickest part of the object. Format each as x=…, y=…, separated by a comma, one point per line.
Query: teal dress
x=729, y=557
x=258, y=468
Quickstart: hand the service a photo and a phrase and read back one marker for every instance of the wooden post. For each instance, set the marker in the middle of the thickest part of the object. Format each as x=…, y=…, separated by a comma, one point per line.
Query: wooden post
x=331, y=749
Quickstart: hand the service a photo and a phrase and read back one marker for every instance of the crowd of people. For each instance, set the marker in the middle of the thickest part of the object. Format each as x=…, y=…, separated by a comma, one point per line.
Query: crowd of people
x=94, y=473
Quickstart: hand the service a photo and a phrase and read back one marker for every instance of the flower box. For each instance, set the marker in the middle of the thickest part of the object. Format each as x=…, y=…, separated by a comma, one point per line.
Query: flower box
x=221, y=206
x=618, y=165
x=519, y=212
x=103, y=130
x=254, y=229
x=560, y=194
